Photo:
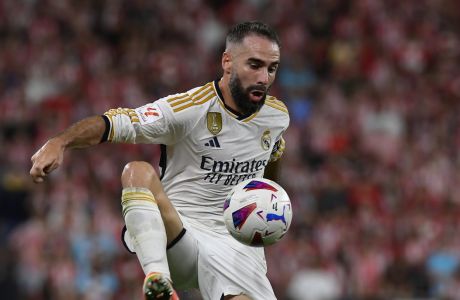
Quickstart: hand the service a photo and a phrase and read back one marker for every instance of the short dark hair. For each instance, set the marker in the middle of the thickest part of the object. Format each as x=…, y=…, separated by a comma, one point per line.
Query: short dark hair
x=242, y=30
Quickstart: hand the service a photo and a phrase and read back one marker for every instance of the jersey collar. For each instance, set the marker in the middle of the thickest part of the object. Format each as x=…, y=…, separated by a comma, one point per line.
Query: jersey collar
x=237, y=115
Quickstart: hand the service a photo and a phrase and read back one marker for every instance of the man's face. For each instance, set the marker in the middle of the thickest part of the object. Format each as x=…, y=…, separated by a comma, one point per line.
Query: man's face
x=254, y=63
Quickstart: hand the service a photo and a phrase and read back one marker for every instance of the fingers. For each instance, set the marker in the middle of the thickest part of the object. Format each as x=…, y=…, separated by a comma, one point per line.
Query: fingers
x=46, y=159
x=41, y=167
x=38, y=174
x=39, y=179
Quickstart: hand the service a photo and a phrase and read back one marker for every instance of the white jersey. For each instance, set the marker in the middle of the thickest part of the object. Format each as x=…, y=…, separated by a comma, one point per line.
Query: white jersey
x=206, y=148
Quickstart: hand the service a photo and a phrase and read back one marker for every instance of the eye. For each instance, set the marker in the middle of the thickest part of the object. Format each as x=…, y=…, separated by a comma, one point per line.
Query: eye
x=254, y=66
x=272, y=69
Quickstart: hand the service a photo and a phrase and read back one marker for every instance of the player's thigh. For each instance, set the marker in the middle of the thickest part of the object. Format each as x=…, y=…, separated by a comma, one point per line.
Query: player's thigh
x=142, y=174
x=183, y=260
x=239, y=297
x=228, y=267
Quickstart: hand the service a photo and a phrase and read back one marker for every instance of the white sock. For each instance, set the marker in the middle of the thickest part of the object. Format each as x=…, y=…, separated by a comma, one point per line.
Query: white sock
x=145, y=226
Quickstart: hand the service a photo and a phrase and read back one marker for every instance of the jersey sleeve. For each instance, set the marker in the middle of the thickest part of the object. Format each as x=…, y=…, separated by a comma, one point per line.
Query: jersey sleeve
x=153, y=123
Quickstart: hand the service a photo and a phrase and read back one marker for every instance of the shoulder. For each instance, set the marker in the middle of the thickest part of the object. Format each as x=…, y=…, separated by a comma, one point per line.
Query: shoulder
x=273, y=102
x=194, y=98
x=276, y=111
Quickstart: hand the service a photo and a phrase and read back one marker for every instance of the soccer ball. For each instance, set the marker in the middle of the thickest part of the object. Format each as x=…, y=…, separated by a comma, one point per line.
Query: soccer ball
x=257, y=212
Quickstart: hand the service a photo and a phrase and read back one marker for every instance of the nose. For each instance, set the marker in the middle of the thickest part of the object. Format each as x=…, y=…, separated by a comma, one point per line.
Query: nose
x=263, y=76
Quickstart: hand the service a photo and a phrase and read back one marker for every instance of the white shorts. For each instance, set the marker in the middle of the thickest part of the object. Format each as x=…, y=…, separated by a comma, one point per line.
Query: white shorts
x=217, y=264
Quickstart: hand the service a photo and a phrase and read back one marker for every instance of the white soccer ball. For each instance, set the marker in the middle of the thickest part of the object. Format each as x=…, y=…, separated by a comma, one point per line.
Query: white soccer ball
x=258, y=212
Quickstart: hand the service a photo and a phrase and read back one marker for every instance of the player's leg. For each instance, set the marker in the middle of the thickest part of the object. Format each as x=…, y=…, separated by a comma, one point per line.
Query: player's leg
x=151, y=220
x=140, y=174
x=227, y=274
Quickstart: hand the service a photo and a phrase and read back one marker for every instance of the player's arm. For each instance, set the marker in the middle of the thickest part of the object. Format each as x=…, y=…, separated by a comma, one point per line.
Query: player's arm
x=120, y=125
x=273, y=167
x=84, y=133
x=272, y=171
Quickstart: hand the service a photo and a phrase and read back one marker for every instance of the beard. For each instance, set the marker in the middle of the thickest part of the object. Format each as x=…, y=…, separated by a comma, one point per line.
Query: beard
x=241, y=95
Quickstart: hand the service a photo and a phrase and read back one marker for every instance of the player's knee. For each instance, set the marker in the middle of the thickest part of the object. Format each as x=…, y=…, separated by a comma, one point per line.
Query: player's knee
x=138, y=174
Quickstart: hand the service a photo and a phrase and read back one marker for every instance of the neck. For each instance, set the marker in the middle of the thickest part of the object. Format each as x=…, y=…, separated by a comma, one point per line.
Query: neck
x=225, y=89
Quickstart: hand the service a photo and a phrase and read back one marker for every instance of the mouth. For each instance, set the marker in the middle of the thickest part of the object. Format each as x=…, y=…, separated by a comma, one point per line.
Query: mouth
x=256, y=95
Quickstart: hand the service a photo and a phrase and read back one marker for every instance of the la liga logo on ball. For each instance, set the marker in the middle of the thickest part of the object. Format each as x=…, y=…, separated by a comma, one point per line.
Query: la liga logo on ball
x=257, y=212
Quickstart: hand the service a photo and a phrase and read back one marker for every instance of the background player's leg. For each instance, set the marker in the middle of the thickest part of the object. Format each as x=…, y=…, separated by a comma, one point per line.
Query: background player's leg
x=143, y=199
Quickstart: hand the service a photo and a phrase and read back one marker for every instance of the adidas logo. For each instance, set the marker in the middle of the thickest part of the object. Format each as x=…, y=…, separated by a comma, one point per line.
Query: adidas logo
x=213, y=143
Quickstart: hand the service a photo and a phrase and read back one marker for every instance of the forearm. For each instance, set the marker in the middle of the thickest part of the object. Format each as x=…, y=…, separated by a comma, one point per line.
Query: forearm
x=272, y=170
x=84, y=133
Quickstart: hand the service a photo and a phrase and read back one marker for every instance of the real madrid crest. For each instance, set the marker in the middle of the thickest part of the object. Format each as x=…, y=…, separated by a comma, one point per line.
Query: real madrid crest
x=266, y=140
x=214, y=122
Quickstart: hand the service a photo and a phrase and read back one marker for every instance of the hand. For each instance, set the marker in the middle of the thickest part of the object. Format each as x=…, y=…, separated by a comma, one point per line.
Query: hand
x=46, y=159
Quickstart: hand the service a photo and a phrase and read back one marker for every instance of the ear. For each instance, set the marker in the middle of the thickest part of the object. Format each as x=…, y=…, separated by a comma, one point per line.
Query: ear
x=226, y=62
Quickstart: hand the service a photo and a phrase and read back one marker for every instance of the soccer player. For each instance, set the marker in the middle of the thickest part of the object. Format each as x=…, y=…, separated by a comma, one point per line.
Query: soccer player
x=213, y=137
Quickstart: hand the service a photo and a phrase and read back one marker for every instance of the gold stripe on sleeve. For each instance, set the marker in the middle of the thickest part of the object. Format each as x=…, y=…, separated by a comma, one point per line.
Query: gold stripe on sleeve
x=204, y=98
x=183, y=107
x=201, y=89
x=277, y=107
x=178, y=97
x=275, y=103
x=183, y=96
x=205, y=93
x=179, y=102
x=130, y=113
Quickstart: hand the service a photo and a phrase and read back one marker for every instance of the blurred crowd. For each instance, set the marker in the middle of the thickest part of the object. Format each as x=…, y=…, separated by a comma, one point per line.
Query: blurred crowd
x=371, y=165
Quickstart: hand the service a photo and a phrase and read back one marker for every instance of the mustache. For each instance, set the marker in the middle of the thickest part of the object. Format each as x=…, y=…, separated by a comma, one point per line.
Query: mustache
x=258, y=88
